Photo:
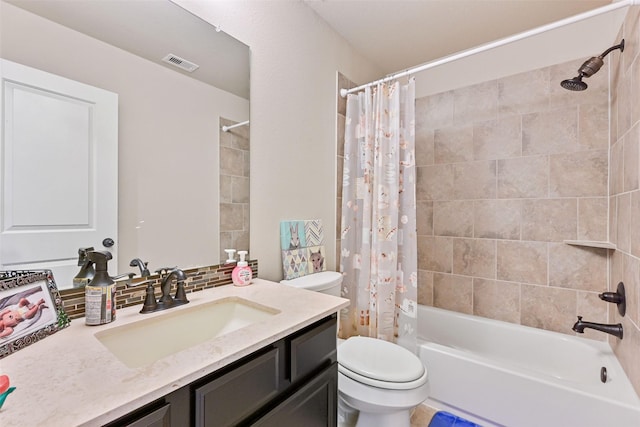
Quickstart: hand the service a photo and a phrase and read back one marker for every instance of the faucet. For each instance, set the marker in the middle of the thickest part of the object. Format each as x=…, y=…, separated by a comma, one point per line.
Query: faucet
x=166, y=300
x=615, y=330
x=137, y=262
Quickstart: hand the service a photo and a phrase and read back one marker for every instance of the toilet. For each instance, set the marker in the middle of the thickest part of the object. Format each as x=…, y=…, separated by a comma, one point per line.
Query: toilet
x=379, y=382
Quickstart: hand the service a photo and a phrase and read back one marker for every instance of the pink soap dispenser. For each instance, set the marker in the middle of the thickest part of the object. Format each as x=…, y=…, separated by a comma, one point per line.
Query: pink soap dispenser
x=242, y=274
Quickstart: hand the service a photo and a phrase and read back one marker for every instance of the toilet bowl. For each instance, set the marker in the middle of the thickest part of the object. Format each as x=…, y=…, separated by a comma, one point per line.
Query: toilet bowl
x=378, y=382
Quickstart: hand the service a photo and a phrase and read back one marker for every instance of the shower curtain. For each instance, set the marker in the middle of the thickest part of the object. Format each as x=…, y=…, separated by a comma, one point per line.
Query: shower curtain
x=378, y=231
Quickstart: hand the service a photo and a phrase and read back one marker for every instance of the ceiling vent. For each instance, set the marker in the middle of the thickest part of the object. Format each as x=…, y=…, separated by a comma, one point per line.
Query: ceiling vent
x=180, y=63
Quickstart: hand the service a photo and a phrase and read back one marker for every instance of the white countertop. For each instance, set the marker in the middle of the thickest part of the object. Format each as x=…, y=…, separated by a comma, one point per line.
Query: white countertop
x=71, y=379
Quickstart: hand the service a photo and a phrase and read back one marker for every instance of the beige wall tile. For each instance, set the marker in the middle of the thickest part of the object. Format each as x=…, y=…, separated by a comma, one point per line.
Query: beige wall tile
x=435, y=111
x=231, y=217
x=634, y=227
x=550, y=132
x=453, y=218
x=225, y=188
x=631, y=46
x=474, y=180
x=623, y=222
x=435, y=253
x=474, y=257
x=231, y=161
x=424, y=145
x=453, y=144
x=453, y=293
x=635, y=90
x=497, y=139
x=550, y=220
x=522, y=261
x=623, y=90
x=523, y=177
x=524, y=93
x=592, y=309
x=593, y=123
x=616, y=182
x=434, y=182
x=613, y=220
x=577, y=267
x=579, y=174
x=630, y=159
x=631, y=280
x=592, y=218
x=476, y=103
x=424, y=217
x=547, y=308
x=497, y=219
x=487, y=292
x=425, y=287
x=340, y=136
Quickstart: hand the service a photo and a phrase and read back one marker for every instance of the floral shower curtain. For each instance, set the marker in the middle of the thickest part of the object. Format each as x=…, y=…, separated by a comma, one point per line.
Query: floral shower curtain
x=378, y=242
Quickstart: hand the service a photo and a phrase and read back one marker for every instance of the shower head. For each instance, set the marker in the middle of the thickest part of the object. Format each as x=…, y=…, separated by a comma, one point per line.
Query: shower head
x=588, y=69
x=575, y=84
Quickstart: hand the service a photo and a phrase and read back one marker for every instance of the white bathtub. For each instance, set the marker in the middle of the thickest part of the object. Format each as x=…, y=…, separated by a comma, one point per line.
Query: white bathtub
x=501, y=374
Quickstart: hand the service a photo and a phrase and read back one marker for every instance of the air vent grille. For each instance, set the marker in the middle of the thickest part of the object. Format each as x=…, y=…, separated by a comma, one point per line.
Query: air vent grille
x=180, y=63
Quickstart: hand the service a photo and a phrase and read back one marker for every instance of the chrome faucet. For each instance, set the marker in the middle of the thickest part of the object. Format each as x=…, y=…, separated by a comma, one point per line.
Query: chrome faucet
x=615, y=330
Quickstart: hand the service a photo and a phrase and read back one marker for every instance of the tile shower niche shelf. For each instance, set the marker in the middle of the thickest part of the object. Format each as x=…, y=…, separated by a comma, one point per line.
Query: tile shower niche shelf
x=591, y=244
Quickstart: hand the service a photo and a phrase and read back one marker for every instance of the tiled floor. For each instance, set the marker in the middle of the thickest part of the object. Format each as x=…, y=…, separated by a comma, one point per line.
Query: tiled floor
x=422, y=415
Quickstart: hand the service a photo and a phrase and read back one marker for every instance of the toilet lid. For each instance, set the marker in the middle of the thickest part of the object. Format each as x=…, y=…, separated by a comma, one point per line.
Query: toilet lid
x=316, y=281
x=380, y=363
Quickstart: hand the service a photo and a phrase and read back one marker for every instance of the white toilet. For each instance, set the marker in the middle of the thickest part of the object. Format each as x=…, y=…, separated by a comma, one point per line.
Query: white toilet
x=378, y=382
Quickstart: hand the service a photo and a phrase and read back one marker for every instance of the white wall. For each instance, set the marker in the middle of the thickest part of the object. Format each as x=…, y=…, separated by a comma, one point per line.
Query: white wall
x=294, y=60
x=168, y=138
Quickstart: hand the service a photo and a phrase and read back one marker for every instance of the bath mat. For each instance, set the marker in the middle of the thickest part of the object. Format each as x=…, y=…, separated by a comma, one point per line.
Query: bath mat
x=302, y=244
x=445, y=419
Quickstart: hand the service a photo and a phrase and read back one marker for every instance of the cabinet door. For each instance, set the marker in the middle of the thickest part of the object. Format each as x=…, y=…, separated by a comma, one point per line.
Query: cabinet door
x=227, y=400
x=312, y=348
x=313, y=405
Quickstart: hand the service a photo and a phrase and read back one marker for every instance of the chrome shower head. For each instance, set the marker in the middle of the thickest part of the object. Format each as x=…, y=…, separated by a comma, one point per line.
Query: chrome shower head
x=588, y=69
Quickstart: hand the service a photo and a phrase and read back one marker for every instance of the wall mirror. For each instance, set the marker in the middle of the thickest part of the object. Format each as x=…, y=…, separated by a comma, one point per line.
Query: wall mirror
x=168, y=119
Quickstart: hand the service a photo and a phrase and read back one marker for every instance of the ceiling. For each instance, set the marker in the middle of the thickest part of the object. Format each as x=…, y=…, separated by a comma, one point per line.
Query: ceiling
x=152, y=30
x=399, y=34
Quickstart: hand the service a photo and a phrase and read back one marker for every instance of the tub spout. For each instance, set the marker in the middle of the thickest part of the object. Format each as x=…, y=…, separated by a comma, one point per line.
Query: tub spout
x=615, y=330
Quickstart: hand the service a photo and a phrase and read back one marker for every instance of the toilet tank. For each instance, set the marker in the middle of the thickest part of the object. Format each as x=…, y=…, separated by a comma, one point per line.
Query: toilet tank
x=326, y=282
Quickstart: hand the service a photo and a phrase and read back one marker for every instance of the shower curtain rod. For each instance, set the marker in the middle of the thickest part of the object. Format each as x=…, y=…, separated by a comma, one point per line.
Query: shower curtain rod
x=228, y=128
x=501, y=42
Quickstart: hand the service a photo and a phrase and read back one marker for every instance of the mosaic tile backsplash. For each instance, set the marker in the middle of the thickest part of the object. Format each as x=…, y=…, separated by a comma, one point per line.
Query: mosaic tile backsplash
x=198, y=279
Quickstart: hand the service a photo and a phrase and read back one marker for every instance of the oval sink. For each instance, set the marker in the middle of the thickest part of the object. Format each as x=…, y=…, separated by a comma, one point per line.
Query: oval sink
x=147, y=340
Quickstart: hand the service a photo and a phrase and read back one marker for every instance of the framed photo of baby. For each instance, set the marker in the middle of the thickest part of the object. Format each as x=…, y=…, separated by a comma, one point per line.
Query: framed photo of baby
x=30, y=309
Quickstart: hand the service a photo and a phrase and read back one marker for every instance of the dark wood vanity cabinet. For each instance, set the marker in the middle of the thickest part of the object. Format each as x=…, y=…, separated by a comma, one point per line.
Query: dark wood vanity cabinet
x=293, y=381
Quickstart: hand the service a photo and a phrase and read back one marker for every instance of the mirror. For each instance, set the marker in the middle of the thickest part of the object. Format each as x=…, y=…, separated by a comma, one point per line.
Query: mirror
x=169, y=120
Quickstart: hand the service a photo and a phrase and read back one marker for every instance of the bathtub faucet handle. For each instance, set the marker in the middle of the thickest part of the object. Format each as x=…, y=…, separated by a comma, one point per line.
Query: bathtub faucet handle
x=617, y=298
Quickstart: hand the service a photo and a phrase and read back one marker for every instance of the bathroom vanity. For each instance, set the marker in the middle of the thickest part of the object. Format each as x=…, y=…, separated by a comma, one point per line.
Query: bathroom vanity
x=278, y=370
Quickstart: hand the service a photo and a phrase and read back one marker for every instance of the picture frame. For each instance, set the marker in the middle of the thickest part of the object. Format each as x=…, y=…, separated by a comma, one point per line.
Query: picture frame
x=30, y=309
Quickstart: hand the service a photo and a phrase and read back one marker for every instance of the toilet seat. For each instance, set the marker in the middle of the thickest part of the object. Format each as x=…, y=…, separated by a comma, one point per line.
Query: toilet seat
x=380, y=364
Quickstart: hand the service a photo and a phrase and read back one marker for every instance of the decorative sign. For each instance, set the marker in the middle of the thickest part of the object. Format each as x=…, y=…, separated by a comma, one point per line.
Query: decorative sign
x=30, y=309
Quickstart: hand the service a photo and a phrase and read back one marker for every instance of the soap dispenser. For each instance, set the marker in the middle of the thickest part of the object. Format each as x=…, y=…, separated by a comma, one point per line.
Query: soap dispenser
x=242, y=274
x=87, y=271
x=100, y=304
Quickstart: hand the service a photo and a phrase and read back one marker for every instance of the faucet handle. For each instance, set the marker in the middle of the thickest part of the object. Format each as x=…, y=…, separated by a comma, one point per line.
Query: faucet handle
x=164, y=270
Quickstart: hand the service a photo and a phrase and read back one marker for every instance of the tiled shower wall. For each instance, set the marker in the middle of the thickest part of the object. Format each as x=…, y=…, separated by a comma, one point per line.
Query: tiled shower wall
x=624, y=208
x=508, y=170
x=234, y=187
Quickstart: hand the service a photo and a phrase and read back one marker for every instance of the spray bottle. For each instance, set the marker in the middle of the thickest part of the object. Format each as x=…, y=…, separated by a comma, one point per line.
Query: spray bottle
x=100, y=304
x=87, y=271
x=242, y=274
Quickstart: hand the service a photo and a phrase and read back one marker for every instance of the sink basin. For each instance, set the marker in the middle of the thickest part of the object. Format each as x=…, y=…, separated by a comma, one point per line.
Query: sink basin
x=147, y=340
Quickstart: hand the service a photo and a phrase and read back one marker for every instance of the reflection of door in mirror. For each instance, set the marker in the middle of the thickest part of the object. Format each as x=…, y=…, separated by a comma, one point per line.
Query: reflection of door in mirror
x=60, y=145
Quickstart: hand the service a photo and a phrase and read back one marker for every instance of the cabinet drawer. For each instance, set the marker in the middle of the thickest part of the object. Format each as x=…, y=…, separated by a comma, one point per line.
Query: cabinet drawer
x=313, y=405
x=312, y=348
x=227, y=400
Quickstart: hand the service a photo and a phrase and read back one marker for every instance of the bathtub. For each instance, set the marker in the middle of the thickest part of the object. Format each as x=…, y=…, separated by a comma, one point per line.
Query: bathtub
x=500, y=374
